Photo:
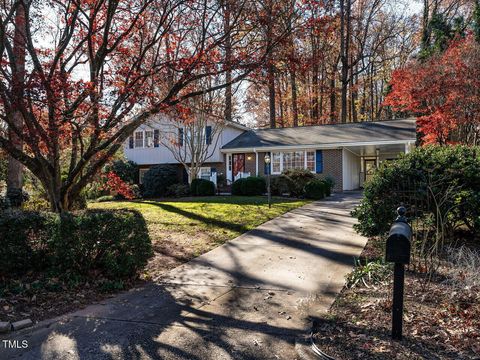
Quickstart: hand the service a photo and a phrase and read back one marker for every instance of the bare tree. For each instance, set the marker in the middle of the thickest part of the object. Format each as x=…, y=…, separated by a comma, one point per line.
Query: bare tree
x=193, y=137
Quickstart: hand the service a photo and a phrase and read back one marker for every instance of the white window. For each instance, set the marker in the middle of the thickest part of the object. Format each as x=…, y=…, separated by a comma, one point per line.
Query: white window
x=276, y=163
x=205, y=173
x=139, y=139
x=282, y=161
x=310, y=160
x=141, y=174
x=148, y=138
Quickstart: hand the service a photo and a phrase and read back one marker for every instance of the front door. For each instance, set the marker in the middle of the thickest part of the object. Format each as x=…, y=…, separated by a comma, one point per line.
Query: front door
x=370, y=167
x=238, y=165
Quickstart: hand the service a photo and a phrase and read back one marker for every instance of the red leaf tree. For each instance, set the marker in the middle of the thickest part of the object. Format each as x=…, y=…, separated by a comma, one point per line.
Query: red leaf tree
x=96, y=70
x=444, y=93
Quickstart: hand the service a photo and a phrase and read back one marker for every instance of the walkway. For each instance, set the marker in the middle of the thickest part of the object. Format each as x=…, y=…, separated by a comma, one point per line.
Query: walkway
x=247, y=299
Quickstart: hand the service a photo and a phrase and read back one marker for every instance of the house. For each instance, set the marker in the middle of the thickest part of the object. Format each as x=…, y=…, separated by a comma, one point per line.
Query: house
x=349, y=153
x=146, y=147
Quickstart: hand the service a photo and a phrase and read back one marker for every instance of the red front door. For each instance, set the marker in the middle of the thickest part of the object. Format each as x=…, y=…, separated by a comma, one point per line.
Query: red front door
x=238, y=164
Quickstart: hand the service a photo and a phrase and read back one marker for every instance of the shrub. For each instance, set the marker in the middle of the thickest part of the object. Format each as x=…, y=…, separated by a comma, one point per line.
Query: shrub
x=112, y=243
x=17, y=197
x=126, y=170
x=250, y=186
x=330, y=184
x=440, y=187
x=178, y=190
x=202, y=187
x=296, y=180
x=316, y=189
x=278, y=185
x=158, y=179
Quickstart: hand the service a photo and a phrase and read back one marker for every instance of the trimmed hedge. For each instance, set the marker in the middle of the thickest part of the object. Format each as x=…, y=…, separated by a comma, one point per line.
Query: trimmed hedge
x=250, y=186
x=202, y=187
x=178, y=190
x=157, y=180
x=316, y=189
x=113, y=243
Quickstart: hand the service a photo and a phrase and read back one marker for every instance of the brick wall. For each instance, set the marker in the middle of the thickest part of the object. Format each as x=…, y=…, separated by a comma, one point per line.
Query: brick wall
x=332, y=166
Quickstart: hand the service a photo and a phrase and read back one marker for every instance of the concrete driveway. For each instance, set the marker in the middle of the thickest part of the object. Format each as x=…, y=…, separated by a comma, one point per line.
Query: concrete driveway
x=247, y=299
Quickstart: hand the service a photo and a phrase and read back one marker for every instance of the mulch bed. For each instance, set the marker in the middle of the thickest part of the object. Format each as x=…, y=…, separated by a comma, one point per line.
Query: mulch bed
x=441, y=319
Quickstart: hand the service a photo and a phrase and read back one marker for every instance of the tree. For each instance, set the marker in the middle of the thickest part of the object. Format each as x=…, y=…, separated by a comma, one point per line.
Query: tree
x=15, y=168
x=105, y=69
x=444, y=93
x=194, y=136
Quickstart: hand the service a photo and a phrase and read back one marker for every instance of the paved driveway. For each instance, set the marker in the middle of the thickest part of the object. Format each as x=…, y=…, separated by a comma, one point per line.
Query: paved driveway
x=247, y=299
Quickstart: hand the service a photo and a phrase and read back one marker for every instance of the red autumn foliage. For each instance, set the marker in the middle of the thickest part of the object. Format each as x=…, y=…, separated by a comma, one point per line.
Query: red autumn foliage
x=116, y=185
x=444, y=93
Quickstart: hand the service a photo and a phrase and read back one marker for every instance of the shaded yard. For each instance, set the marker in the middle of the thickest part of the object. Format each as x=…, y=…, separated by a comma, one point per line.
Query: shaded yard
x=183, y=229
x=179, y=230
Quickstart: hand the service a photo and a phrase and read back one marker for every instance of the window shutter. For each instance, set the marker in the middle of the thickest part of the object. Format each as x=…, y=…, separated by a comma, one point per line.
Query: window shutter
x=180, y=136
x=208, y=134
x=156, y=138
x=213, y=170
x=130, y=142
x=319, y=162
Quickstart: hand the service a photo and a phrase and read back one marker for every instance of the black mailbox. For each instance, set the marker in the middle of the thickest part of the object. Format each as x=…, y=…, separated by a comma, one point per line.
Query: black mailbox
x=398, y=242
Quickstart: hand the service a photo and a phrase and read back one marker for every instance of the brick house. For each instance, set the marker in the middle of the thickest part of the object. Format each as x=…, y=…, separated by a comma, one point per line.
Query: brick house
x=349, y=153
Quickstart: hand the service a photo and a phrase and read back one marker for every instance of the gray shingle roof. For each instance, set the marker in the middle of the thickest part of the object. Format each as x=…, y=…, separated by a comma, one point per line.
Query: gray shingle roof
x=326, y=134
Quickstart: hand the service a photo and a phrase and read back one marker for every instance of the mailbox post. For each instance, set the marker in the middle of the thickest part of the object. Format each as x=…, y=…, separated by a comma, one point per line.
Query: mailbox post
x=398, y=252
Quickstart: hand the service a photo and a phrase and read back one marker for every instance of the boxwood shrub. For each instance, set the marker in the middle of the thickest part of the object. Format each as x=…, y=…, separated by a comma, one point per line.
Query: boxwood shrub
x=250, y=186
x=110, y=243
x=316, y=189
x=202, y=187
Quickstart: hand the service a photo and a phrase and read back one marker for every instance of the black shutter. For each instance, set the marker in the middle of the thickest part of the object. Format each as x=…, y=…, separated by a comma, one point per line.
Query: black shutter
x=208, y=134
x=130, y=142
x=180, y=136
x=156, y=138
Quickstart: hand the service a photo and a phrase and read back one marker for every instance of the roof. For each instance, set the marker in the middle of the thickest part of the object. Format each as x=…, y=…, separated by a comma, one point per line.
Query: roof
x=325, y=135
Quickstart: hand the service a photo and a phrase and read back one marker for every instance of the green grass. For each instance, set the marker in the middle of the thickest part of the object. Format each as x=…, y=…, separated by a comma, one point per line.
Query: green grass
x=221, y=217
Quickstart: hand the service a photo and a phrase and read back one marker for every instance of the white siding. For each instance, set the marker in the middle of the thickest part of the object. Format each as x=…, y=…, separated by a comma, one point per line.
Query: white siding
x=351, y=170
x=162, y=155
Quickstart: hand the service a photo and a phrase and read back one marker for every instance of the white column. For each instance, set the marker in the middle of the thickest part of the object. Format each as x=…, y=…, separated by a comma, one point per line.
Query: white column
x=256, y=162
x=407, y=148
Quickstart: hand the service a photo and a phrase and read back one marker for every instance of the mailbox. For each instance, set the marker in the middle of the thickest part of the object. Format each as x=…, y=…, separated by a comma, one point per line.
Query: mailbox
x=398, y=242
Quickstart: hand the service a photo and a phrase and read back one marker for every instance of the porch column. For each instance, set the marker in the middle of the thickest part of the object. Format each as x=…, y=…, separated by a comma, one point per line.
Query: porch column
x=256, y=162
x=377, y=158
x=408, y=148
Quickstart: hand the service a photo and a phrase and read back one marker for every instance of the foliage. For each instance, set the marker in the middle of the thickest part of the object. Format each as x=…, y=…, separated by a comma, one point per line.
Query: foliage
x=178, y=190
x=440, y=186
x=111, y=243
x=202, y=187
x=444, y=92
x=370, y=273
x=157, y=180
x=144, y=57
x=296, y=180
x=127, y=171
x=17, y=197
x=250, y=186
x=330, y=184
x=115, y=184
x=278, y=185
x=316, y=189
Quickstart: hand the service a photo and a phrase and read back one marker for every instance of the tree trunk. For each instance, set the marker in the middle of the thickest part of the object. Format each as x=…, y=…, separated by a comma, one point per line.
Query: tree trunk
x=15, y=168
x=228, y=61
x=344, y=58
x=271, y=68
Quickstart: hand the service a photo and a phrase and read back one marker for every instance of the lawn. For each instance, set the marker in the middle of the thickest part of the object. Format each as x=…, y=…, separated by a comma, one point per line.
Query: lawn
x=183, y=229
